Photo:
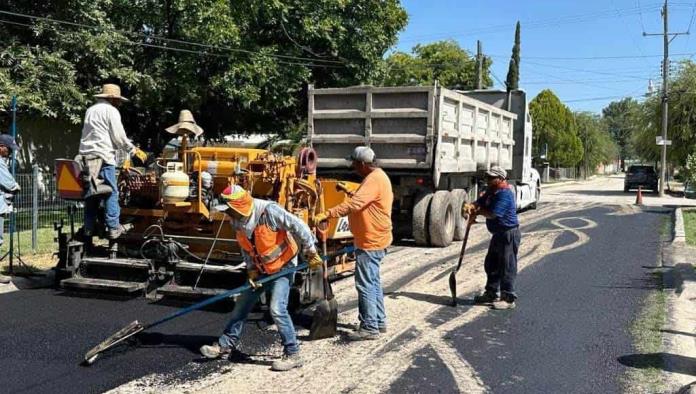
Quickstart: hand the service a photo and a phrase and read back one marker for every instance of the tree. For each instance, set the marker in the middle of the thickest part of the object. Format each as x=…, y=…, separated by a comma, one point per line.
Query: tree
x=443, y=61
x=621, y=117
x=599, y=147
x=240, y=66
x=682, y=120
x=554, y=125
x=513, y=75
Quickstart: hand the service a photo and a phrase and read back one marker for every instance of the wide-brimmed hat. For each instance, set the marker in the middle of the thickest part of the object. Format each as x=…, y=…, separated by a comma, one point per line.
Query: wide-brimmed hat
x=186, y=124
x=238, y=199
x=496, y=172
x=111, y=90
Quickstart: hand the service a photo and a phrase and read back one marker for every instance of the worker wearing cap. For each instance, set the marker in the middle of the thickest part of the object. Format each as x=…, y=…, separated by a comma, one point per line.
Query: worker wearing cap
x=498, y=206
x=267, y=236
x=8, y=185
x=102, y=135
x=369, y=216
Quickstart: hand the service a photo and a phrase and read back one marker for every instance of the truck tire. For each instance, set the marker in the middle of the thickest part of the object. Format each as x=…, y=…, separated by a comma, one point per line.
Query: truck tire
x=419, y=226
x=442, y=218
x=537, y=196
x=460, y=197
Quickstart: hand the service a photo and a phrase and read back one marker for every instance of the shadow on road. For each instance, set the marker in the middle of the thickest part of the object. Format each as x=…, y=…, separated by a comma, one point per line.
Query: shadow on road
x=192, y=343
x=605, y=193
x=430, y=298
x=664, y=361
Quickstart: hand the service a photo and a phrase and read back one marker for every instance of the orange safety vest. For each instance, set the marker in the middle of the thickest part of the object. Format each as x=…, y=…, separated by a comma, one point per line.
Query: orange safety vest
x=269, y=250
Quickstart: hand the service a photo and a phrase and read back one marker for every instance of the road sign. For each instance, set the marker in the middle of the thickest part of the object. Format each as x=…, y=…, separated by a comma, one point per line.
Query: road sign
x=660, y=141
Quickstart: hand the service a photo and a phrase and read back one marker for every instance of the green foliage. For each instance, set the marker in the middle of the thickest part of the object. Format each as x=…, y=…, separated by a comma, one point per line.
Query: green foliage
x=251, y=74
x=689, y=170
x=554, y=125
x=513, y=75
x=443, y=61
x=682, y=120
x=621, y=119
x=599, y=147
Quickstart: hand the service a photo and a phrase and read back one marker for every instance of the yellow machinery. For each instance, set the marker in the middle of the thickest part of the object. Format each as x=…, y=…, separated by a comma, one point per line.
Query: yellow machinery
x=177, y=244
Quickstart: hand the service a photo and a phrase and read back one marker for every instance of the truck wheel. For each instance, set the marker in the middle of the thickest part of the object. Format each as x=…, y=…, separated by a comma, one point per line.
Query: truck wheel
x=460, y=197
x=537, y=196
x=442, y=218
x=420, y=218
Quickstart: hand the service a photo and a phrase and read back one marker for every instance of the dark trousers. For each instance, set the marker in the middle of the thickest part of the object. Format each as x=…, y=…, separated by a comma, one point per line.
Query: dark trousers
x=501, y=263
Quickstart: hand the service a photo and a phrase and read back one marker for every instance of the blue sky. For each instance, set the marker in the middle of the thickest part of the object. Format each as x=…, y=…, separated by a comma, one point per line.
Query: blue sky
x=565, y=44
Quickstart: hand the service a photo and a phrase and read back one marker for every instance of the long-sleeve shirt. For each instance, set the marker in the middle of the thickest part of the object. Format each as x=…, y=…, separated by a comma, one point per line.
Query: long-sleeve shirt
x=8, y=185
x=277, y=218
x=369, y=212
x=103, y=133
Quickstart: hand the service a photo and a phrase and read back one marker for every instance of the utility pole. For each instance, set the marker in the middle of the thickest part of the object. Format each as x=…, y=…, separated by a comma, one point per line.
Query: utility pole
x=667, y=39
x=479, y=65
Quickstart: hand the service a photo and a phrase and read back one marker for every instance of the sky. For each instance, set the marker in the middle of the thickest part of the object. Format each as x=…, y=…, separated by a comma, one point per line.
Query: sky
x=588, y=52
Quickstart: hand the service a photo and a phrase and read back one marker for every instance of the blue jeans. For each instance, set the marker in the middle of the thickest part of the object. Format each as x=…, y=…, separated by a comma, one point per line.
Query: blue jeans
x=371, y=311
x=501, y=263
x=279, y=290
x=113, y=210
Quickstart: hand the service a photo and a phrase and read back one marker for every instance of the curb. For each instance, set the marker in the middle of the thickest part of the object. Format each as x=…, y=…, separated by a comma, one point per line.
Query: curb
x=557, y=184
x=679, y=232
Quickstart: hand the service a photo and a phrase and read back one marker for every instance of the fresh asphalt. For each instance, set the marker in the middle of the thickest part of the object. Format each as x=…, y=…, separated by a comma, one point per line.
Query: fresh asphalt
x=570, y=326
x=572, y=320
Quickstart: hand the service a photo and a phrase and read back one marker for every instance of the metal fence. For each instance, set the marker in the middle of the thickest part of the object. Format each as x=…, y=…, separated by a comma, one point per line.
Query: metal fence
x=37, y=206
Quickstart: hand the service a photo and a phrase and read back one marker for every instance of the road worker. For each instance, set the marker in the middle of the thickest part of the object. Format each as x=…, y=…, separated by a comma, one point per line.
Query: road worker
x=266, y=234
x=102, y=135
x=369, y=216
x=498, y=206
x=8, y=185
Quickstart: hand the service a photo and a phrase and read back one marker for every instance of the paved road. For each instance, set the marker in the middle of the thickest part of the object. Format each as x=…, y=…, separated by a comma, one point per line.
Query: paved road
x=582, y=281
x=572, y=319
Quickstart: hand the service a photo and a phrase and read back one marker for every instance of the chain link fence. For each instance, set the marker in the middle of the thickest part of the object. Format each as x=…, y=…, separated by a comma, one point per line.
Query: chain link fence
x=36, y=207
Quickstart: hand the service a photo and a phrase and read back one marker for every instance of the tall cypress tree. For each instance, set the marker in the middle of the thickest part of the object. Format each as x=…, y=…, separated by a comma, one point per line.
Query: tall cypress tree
x=513, y=76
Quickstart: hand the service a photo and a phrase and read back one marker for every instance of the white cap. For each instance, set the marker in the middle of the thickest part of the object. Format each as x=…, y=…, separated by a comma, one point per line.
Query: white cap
x=362, y=154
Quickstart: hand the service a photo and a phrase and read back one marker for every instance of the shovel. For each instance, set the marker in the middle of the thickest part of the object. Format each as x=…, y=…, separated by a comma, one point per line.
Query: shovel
x=325, y=319
x=453, y=275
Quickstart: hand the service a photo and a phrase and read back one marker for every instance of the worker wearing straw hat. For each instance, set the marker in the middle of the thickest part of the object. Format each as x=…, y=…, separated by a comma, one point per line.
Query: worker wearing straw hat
x=102, y=135
x=266, y=234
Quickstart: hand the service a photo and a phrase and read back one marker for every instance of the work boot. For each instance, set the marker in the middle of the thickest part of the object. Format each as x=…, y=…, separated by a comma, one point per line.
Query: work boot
x=215, y=351
x=118, y=231
x=382, y=329
x=485, y=298
x=5, y=279
x=362, y=335
x=287, y=362
x=504, y=304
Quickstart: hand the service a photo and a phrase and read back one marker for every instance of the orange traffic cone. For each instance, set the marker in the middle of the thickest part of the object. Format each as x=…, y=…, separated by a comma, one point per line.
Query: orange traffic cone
x=639, y=196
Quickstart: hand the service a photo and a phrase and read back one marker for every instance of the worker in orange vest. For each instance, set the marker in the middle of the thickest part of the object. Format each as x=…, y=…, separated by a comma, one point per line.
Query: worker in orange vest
x=266, y=234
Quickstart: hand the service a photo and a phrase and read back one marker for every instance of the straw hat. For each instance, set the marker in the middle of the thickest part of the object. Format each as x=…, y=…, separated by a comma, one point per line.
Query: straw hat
x=186, y=123
x=238, y=199
x=111, y=90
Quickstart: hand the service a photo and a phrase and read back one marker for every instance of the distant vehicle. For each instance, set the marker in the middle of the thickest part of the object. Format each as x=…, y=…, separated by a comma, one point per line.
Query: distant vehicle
x=644, y=176
x=690, y=190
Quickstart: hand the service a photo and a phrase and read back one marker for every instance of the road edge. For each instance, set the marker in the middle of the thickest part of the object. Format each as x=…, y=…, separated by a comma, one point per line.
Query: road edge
x=679, y=339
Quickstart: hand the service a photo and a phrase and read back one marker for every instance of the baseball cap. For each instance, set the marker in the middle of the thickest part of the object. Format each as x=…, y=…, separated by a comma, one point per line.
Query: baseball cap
x=496, y=172
x=236, y=198
x=362, y=154
x=8, y=141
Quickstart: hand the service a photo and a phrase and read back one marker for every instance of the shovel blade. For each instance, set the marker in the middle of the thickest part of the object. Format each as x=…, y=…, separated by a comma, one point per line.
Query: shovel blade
x=116, y=338
x=325, y=320
x=453, y=287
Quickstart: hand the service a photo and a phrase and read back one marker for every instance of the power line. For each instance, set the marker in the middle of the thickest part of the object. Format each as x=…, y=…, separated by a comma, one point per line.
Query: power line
x=160, y=38
x=640, y=13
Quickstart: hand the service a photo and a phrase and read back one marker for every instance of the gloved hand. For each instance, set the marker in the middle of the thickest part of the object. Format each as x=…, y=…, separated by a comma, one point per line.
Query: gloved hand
x=140, y=154
x=320, y=217
x=253, y=275
x=468, y=209
x=126, y=164
x=314, y=260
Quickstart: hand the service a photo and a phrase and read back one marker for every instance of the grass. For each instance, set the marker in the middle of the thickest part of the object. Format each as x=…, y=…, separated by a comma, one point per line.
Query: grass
x=690, y=226
x=40, y=259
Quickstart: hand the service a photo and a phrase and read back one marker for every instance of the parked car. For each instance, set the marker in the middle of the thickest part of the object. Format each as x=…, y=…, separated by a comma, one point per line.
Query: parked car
x=644, y=176
x=690, y=190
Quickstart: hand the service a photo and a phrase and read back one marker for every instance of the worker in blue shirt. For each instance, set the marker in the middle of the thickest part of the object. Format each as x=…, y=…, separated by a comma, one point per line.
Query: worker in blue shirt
x=498, y=206
x=8, y=185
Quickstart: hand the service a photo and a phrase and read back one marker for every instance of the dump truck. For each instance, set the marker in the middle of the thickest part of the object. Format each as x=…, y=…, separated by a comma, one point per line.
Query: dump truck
x=434, y=144
x=177, y=245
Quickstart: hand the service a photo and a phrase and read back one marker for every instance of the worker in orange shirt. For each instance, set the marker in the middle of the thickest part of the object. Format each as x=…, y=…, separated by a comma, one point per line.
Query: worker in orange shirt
x=369, y=214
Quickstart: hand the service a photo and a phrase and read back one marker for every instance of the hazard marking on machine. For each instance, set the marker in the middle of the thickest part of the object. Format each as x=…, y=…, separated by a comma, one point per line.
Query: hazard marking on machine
x=68, y=185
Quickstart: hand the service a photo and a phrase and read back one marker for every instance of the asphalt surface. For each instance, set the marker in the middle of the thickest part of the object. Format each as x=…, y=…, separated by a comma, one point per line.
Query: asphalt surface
x=572, y=319
x=44, y=335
